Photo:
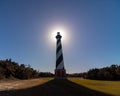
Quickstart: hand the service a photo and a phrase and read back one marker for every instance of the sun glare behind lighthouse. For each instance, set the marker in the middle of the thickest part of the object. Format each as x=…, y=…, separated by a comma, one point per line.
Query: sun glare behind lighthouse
x=62, y=33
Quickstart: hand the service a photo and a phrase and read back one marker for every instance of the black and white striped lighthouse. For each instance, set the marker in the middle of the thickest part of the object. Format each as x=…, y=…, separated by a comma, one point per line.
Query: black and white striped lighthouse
x=60, y=71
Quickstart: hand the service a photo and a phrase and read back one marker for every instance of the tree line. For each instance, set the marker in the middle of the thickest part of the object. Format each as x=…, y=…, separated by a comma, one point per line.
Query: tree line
x=9, y=68
x=106, y=73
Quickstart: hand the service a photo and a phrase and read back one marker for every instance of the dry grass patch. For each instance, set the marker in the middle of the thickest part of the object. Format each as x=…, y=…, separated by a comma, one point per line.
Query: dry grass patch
x=21, y=84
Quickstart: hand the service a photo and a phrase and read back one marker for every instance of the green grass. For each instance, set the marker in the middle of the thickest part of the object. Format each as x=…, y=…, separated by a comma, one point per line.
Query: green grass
x=109, y=87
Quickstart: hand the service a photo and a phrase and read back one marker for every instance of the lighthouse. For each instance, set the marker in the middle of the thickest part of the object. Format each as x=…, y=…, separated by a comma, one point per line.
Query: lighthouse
x=60, y=71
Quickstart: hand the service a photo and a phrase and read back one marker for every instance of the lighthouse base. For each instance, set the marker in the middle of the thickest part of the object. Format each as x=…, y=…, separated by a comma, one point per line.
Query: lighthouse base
x=60, y=73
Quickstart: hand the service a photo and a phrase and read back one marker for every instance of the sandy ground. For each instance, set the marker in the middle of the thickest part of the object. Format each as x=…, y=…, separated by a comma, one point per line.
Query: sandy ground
x=7, y=85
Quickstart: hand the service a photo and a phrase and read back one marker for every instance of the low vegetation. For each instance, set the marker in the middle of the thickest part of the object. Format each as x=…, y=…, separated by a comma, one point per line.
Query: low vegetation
x=107, y=73
x=108, y=87
x=11, y=69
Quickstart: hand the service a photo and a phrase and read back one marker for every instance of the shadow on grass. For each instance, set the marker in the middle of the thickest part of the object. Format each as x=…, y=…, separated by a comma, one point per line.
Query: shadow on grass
x=55, y=88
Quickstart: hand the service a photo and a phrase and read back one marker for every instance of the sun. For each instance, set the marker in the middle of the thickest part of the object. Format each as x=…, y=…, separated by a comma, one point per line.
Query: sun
x=62, y=33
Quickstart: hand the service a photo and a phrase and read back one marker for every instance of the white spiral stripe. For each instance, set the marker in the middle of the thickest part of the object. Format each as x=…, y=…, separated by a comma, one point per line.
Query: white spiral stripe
x=61, y=65
x=59, y=53
x=58, y=44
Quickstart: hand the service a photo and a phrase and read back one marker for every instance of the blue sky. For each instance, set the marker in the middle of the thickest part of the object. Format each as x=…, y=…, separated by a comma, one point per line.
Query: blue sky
x=92, y=26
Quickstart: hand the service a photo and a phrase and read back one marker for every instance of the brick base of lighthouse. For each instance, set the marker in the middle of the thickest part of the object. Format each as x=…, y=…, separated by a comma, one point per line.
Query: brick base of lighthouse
x=60, y=73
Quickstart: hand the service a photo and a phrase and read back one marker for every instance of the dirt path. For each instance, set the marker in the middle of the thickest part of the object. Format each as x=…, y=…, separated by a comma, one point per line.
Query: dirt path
x=54, y=88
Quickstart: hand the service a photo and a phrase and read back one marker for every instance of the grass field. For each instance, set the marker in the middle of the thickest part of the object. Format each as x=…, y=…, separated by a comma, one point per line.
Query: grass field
x=109, y=87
